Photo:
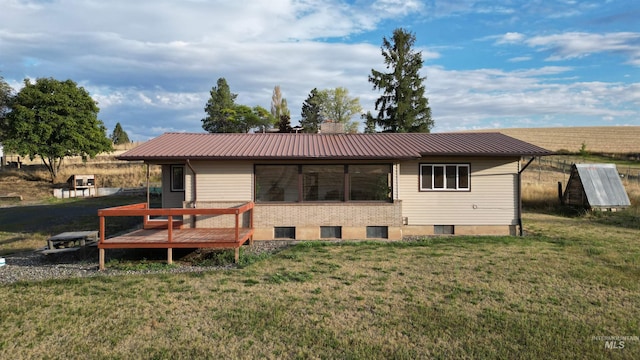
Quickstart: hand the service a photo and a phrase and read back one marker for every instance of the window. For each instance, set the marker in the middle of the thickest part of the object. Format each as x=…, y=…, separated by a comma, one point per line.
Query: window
x=330, y=232
x=370, y=182
x=276, y=183
x=450, y=177
x=284, y=232
x=443, y=229
x=377, y=232
x=325, y=182
x=177, y=178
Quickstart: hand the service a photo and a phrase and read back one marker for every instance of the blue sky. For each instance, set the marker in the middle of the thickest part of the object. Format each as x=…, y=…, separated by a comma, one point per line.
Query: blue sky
x=489, y=64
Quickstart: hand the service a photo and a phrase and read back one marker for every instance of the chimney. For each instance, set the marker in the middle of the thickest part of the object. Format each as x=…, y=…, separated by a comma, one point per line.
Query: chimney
x=330, y=127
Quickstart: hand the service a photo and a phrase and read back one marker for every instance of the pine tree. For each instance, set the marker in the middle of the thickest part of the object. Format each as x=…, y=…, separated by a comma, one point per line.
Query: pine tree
x=119, y=136
x=220, y=109
x=312, y=112
x=403, y=106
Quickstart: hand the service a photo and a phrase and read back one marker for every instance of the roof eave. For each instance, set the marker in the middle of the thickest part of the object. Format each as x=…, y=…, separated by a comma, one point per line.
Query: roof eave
x=510, y=154
x=261, y=158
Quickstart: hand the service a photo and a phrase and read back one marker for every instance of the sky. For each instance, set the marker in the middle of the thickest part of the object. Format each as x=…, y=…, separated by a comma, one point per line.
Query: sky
x=488, y=64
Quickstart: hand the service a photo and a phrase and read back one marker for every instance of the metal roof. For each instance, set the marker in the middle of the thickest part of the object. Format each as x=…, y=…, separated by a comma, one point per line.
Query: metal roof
x=602, y=185
x=272, y=146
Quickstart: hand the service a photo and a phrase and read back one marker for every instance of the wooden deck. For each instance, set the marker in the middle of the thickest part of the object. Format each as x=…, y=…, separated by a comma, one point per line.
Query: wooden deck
x=182, y=238
x=169, y=234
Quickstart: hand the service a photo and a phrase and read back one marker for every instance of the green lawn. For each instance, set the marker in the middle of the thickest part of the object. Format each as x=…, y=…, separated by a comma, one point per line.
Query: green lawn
x=547, y=295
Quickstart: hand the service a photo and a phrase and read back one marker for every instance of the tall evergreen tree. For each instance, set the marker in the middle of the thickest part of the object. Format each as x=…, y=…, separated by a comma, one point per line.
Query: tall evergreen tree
x=312, y=112
x=403, y=106
x=220, y=109
x=119, y=136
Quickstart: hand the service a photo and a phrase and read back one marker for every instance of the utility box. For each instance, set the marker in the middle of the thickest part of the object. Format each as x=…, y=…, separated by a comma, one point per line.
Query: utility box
x=82, y=186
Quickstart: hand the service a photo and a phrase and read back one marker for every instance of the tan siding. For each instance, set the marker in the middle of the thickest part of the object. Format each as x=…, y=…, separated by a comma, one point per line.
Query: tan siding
x=491, y=201
x=223, y=180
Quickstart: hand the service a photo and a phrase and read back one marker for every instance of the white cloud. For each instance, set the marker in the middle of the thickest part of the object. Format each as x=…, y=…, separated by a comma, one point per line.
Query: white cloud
x=398, y=7
x=461, y=99
x=580, y=44
x=510, y=38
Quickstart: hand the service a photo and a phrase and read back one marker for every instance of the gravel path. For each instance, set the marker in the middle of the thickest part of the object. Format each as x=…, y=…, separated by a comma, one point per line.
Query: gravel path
x=34, y=266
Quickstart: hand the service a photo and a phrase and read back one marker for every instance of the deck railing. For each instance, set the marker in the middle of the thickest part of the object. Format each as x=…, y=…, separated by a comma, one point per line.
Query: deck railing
x=143, y=210
x=169, y=213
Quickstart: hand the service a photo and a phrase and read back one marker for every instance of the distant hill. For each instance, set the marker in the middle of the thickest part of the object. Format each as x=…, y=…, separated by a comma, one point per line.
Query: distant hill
x=598, y=139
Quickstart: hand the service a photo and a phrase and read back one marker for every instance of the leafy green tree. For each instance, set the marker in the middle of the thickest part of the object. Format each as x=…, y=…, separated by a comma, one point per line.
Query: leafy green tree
x=119, y=136
x=247, y=119
x=55, y=119
x=6, y=95
x=264, y=120
x=338, y=106
x=220, y=109
x=403, y=106
x=312, y=112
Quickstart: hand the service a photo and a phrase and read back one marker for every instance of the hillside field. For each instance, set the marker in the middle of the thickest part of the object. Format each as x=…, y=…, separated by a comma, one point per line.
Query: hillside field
x=598, y=139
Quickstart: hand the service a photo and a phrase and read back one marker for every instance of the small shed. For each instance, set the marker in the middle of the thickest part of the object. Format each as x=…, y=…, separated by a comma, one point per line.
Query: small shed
x=595, y=186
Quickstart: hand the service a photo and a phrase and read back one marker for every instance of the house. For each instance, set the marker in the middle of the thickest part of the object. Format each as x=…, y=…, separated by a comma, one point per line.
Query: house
x=595, y=186
x=346, y=186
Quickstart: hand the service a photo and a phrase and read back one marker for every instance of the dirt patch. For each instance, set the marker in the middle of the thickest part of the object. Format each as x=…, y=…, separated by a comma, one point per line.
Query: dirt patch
x=32, y=189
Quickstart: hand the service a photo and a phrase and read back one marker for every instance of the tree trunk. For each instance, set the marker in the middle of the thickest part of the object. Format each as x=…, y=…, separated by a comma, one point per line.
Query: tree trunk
x=53, y=165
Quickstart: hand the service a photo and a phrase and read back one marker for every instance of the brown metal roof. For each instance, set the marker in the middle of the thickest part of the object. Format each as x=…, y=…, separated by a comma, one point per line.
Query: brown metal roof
x=329, y=146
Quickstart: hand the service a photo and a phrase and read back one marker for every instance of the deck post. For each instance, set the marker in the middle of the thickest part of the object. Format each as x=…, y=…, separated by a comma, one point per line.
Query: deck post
x=170, y=228
x=237, y=226
x=101, y=241
x=101, y=260
x=169, y=256
x=251, y=223
x=237, y=255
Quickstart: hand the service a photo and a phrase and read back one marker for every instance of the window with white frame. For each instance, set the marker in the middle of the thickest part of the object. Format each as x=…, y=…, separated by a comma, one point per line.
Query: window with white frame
x=445, y=177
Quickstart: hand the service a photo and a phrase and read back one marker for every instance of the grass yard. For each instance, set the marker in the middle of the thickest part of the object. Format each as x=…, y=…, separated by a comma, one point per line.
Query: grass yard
x=26, y=228
x=546, y=295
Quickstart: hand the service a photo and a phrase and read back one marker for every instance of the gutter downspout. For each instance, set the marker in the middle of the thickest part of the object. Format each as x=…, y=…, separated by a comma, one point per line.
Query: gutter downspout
x=148, y=194
x=195, y=193
x=521, y=231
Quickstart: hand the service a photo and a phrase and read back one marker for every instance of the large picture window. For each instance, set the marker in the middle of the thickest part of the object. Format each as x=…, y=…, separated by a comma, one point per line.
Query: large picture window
x=323, y=182
x=444, y=177
x=370, y=182
x=276, y=183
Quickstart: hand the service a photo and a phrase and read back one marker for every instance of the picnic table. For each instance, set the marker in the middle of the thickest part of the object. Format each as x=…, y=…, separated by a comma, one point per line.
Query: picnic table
x=70, y=240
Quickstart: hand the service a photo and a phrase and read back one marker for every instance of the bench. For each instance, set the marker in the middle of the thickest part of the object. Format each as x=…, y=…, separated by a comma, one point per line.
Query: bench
x=71, y=239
